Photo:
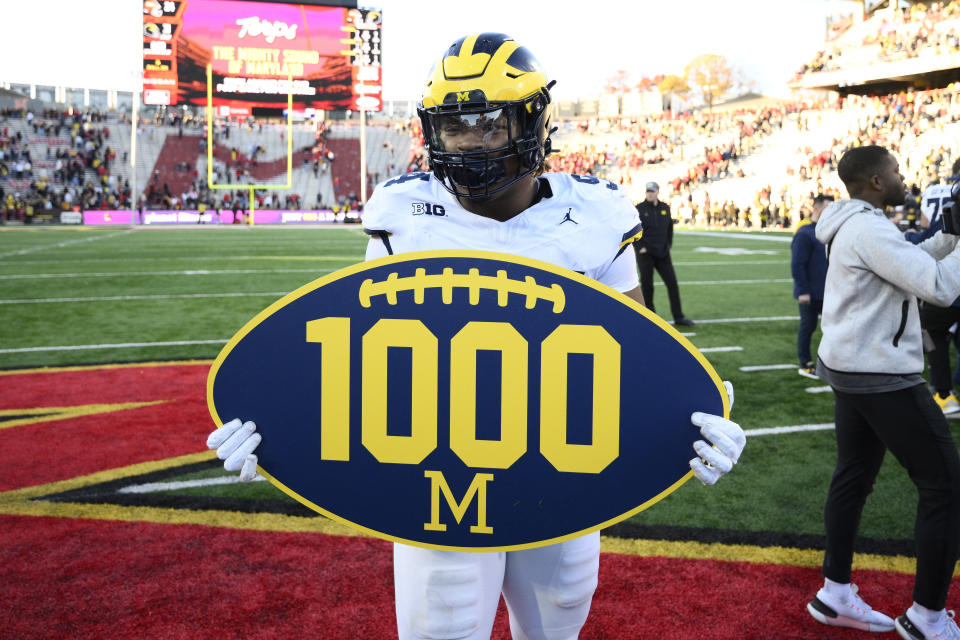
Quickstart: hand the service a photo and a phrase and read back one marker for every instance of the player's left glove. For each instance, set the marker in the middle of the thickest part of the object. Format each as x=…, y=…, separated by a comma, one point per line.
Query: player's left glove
x=726, y=441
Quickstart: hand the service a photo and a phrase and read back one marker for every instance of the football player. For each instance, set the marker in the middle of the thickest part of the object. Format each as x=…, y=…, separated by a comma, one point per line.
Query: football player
x=486, y=123
x=935, y=320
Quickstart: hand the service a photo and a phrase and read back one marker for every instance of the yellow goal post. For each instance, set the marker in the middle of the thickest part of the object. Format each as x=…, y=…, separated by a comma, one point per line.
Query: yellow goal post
x=251, y=187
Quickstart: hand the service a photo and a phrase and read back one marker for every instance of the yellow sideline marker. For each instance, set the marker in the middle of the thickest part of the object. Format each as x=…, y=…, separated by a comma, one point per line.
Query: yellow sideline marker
x=47, y=414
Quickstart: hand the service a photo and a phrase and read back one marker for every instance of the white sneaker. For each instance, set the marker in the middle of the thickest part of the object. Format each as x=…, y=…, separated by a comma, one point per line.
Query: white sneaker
x=854, y=613
x=910, y=630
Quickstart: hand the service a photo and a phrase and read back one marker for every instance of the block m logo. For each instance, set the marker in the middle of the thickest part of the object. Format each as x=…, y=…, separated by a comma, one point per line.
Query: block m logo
x=477, y=488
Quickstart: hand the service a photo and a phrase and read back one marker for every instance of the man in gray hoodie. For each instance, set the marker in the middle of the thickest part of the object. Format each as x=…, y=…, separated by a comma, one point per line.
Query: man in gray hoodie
x=872, y=355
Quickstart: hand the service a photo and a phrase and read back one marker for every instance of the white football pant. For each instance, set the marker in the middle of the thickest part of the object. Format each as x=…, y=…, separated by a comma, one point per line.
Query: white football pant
x=452, y=595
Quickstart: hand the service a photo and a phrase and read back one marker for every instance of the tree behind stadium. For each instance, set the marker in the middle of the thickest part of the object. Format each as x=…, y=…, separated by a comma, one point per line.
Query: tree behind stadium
x=711, y=75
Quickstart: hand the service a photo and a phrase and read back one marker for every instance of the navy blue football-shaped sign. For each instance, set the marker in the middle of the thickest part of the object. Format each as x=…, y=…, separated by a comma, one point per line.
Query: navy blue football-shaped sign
x=466, y=400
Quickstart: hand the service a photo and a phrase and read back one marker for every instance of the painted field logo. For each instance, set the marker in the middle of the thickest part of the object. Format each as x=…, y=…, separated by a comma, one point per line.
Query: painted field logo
x=466, y=400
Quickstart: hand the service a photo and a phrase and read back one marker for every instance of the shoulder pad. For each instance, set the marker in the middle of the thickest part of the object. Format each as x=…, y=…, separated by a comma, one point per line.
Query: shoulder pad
x=411, y=180
x=379, y=214
x=586, y=187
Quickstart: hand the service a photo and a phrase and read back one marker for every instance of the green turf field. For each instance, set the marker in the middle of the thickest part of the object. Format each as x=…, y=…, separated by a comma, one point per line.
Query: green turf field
x=73, y=296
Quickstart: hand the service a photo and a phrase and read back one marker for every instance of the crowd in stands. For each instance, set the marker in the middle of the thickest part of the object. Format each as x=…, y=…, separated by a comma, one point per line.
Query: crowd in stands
x=894, y=121
x=911, y=124
x=68, y=167
x=767, y=210
x=704, y=151
x=905, y=33
x=837, y=25
x=418, y=156
x=660, y=139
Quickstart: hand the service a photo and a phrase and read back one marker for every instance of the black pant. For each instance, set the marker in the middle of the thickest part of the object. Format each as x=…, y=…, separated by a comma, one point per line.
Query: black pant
x=936, y=321
x=808, y=324
x=664, y=267
x=910, y=424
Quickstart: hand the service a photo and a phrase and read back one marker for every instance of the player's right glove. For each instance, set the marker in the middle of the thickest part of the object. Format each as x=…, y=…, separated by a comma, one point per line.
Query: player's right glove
x=235, y=443
x=722, y=445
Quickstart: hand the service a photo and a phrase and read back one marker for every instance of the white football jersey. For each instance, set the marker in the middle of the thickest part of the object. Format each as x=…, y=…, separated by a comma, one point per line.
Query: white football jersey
x=934, y=198
x=583, y=223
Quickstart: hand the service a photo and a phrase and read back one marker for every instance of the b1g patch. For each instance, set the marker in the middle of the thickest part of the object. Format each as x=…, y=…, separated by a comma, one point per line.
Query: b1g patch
x=466, y=400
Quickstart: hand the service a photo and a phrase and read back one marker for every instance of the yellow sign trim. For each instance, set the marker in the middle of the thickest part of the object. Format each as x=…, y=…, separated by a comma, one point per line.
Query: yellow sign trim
x=487, y=255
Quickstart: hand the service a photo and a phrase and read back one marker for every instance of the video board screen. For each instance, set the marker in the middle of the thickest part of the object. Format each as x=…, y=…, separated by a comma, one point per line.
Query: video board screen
x=332, y=53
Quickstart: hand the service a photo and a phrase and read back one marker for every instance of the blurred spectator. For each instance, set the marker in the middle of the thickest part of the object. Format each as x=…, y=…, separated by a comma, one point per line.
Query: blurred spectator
x=653, y=252
x=808, y=266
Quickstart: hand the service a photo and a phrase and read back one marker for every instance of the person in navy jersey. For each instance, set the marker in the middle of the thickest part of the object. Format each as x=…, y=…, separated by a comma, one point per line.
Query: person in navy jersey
x=808, y=265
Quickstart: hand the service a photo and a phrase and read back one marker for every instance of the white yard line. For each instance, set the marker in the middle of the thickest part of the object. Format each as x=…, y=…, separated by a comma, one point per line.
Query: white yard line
x=737, y=236
x=121, y=345
x=719, y=282
x=732, y=320
x=217, y=272
x=214, y=272
x=349, y=227
x=178, y=343
x=769, y=367
x=152, y=487
x=186, y=272
x=160, y=296
x=824, y=389
x=66, y=243
x=794, y=429
x=193, y=259
x=724, y=263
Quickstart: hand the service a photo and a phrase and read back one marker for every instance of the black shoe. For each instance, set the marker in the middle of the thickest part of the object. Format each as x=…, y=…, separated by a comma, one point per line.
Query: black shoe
x=907, y=629
x=684, y=322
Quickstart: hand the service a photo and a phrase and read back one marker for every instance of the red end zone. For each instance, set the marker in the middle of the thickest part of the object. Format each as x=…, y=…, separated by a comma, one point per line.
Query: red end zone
x=91, y=579
x=85, y=578
x=64, y=442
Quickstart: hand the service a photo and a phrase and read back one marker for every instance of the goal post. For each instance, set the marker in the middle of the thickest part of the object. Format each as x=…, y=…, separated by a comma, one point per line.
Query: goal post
x=251, y=187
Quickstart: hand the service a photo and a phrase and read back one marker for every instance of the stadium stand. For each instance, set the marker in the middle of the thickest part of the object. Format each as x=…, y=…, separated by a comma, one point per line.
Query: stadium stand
x=884, y=78
x=753, y=162
x=58, y=161
x=891, y=47
x=767, y=161
x=53, y=160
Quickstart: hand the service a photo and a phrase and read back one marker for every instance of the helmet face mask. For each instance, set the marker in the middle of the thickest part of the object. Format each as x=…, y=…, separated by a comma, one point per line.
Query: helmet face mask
x=480, y=145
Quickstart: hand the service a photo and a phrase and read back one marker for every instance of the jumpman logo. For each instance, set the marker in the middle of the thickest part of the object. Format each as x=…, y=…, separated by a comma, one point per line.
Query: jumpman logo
x=567, y=218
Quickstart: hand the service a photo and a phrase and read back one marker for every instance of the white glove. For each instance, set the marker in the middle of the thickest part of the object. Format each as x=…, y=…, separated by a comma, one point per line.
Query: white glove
x=726, y=442
x=235, y=443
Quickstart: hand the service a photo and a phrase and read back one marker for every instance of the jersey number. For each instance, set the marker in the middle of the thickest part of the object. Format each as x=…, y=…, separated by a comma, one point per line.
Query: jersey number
x=936, y=204
x=417, y=175
x=334, y=334
x=593, y=180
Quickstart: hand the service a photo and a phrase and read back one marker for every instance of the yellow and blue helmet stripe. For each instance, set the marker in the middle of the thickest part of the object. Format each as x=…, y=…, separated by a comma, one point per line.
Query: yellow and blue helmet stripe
x=485, y=67
x=487, y=75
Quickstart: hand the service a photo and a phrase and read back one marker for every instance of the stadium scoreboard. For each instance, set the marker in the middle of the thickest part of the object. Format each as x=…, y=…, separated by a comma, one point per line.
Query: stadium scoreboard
x=326, y=57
